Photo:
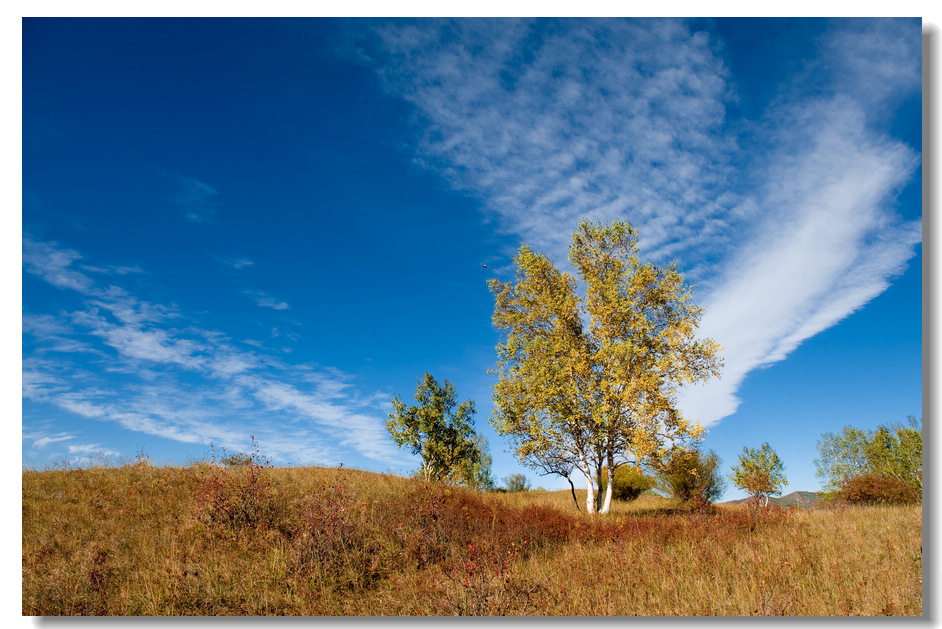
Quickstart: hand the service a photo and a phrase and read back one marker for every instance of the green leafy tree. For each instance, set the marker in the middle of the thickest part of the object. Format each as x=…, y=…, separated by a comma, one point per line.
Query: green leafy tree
x=893, y=451
x=591, y=381
x=441, y=431
x=692, y=476
x=841, y=456
x=760, y=472
x=909, y=452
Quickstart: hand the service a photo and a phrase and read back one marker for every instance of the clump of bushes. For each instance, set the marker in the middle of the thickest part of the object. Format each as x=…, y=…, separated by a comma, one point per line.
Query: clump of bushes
x=516, y=482
x=877, y=489
x=692, y=477
x=628, y=484
x=872, y=466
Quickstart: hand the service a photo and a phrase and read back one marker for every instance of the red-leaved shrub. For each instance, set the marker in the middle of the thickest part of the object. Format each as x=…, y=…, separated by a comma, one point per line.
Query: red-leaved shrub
x=877, y=489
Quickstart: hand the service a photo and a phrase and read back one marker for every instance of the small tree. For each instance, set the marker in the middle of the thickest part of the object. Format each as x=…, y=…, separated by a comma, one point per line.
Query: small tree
x=441, y=431
x=896, y=452
x=692, y=476
x=841, y=456
x=760, y=473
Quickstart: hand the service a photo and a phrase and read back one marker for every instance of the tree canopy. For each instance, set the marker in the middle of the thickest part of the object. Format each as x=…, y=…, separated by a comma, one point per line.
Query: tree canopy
x=589, y=370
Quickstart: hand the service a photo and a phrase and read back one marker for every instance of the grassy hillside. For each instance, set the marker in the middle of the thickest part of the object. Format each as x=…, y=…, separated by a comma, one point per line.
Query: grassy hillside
x=802, y=499
x=142, y=540
x=799, y=499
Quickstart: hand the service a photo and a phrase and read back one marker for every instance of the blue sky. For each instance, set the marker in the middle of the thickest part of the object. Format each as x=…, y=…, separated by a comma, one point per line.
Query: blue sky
x=270, y=227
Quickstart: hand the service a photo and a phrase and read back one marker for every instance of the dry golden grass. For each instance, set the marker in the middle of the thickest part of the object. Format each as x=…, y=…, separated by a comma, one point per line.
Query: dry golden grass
x=142, y=540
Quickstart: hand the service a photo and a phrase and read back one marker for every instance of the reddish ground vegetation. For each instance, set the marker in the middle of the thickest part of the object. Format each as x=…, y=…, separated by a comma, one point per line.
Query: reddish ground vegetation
x=877, y=489
x=249, y=540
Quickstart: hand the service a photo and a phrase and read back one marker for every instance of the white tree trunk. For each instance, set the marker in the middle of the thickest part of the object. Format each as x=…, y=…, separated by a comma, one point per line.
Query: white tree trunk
x=608, y=490
x=590, y=495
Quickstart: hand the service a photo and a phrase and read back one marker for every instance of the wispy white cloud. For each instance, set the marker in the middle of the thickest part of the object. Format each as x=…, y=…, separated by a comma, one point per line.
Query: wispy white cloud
x=551, y=121
x=86, y=454
x=125, y=360
x=39, y=383
x=359, y=431
x=234, y=262
x=92, y=449
x=114, y=270
x=266, y=301
x=54, y=265
x=159, y=346
x=874, y=61
x=41, y=440
x=130, y=310
x=195, y=198
x=826, y=247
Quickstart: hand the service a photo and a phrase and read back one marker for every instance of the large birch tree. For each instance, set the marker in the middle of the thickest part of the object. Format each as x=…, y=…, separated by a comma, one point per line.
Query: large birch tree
x=589, y=370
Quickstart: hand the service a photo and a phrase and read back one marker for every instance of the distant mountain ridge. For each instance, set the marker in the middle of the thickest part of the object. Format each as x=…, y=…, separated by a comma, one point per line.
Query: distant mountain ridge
x=803, y=499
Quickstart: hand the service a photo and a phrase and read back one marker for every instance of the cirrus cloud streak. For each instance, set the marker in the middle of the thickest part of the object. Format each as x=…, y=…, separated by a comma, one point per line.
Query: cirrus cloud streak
x=787, y=224
x=117, y=358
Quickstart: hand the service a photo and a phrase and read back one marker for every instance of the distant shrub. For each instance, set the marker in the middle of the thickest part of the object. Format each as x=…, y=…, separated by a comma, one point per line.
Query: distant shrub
x=630, y=483
x=240, y=459
x=516, y=482
x=692, y=476
x=877, y=489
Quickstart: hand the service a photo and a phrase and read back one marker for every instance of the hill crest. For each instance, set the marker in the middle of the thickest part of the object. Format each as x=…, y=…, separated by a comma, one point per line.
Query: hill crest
x=802, y=499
